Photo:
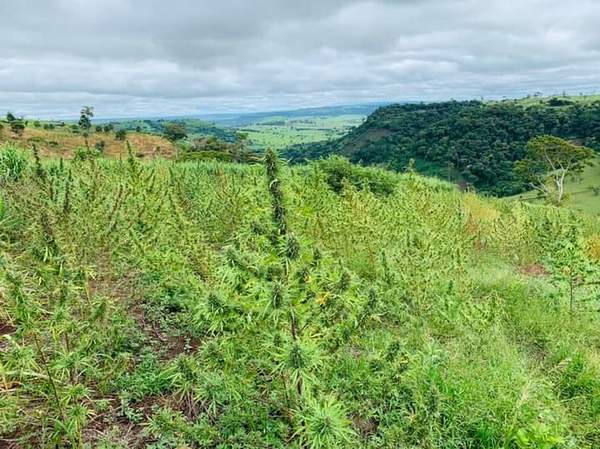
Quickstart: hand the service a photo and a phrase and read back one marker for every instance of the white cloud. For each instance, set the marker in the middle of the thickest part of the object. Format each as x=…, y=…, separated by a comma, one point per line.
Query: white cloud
x=150, y=57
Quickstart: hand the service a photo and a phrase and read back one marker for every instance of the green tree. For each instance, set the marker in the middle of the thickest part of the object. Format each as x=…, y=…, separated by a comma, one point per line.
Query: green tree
x=10, y=117
x=120, y=134
x=174, y=131
x=17, y=127
x=240, y=150
x=548, y=162
x=85, y=118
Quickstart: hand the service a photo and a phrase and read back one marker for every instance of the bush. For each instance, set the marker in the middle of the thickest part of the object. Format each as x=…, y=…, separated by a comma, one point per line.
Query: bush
x=121, y=134
x=13, y=162
x=339, y=170
x=83, y=154
x=17, y=127
x=174, y=131
x=100, y=146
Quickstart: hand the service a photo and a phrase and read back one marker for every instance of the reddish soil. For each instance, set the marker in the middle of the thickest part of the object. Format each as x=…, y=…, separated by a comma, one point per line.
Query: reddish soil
x=62, y=143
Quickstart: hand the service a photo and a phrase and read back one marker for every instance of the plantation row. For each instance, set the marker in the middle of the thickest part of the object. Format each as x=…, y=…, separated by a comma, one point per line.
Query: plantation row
x=206, y=304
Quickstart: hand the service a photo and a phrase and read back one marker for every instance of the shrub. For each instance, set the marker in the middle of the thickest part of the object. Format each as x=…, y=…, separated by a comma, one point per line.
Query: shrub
x=325, y=425
x=339, y=170
x=121, y=134
x=100, y=146
x=13, y=162
x=174, y=131
x=593, y=247
x=17, y=127
x=83, y=154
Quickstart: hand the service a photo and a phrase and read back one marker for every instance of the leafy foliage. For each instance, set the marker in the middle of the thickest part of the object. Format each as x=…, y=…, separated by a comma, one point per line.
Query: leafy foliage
x=17, y=127
x=206, y=148
x=468, y=142
x=85, y=118
x=209, y=304
x=174, y=131
x=13, y=163
x=339, y=171
x=195, y=128
x=121, y=134
x=548, y=161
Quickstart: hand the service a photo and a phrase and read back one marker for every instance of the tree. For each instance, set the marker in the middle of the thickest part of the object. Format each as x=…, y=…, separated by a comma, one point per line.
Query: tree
x=10, y=117
x=547, y=163
x=240, y=147
x=85, y=118
x=120, y=134
x=174, y=131
x=100, y=146
x=17, y=127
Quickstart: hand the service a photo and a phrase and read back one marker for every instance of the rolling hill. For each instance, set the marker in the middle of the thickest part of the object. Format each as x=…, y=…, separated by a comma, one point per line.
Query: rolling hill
x=250, y=118
x=471, y=142
x=62, y=142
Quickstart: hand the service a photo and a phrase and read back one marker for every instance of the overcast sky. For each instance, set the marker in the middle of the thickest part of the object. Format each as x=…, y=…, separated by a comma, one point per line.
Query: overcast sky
x=165, y=57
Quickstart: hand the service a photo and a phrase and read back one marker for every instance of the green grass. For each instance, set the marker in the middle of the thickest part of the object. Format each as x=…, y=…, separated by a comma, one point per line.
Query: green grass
x=280, y=132
x=536, y=100
x=580, y=191
x=203, y=304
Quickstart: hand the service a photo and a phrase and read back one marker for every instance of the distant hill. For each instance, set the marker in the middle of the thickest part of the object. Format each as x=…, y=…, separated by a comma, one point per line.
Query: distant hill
x=195, y=127
x=244, y=119
x=469, y=142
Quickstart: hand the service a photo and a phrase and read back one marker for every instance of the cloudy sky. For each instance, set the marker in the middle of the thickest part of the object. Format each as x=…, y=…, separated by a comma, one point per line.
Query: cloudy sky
x=157, y=57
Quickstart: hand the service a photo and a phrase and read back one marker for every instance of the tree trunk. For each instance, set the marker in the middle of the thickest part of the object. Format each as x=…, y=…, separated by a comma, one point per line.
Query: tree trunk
x=560, y=186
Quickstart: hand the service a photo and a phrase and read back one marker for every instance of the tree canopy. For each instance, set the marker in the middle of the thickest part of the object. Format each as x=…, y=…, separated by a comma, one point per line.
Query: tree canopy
x=174, y=131
x=548, y=161
x=85, y=118
x=469, y=142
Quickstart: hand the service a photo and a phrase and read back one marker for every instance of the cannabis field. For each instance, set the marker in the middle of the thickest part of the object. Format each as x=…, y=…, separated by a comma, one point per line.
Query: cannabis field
x=171, y=304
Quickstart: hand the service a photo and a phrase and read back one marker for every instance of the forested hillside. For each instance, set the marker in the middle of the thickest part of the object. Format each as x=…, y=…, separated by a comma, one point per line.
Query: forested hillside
x=468, y=142
x=168, y=305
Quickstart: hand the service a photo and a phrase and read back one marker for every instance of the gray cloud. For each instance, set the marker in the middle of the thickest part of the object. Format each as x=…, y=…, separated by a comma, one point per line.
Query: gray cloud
x=151, y=57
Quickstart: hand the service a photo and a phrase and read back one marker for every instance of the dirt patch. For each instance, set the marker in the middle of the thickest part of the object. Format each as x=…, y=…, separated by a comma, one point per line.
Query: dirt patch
x=113, y=426
x=7, y=329
x=9, y=443
x=62, y=143
x=364, y=426
x=533, y=270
